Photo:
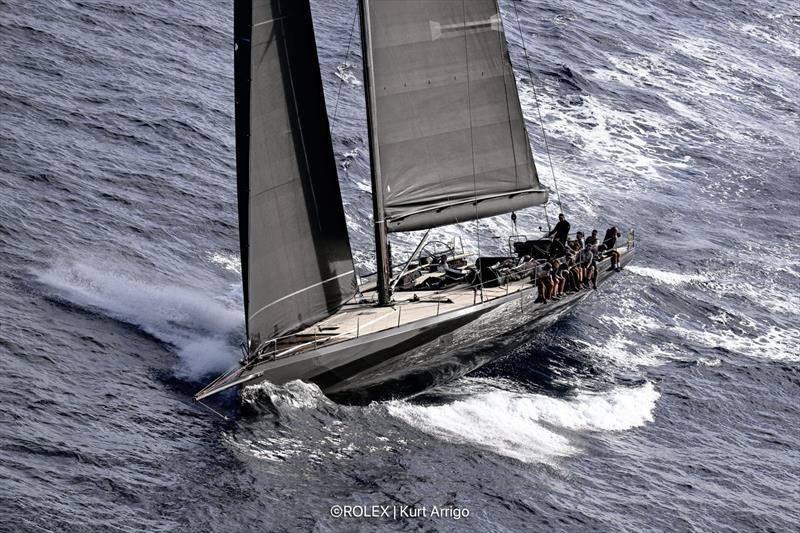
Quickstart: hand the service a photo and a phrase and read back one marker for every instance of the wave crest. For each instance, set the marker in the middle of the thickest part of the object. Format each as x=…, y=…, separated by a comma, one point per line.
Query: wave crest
x=530, y=427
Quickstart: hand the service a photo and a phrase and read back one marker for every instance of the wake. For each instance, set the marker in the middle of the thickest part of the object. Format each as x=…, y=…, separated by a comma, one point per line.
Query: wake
x=530, y=427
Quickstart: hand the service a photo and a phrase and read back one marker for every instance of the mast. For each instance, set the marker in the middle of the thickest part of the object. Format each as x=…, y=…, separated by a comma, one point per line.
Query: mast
x=242, y=30
x=379, y=218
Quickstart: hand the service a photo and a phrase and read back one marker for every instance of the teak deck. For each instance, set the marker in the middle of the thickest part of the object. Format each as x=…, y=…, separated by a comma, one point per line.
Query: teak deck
x=359, y=319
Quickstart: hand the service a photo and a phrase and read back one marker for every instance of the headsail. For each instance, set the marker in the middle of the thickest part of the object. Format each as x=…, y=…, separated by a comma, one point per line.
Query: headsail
x=448, y=133
x=297, y=267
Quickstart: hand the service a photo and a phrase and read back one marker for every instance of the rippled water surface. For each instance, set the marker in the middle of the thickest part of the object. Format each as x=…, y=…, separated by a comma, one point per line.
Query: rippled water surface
x=668, y=401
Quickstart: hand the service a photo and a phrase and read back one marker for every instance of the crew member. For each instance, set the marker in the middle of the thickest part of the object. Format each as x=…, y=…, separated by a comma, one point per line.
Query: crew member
x=609, y=241
x=561, y=232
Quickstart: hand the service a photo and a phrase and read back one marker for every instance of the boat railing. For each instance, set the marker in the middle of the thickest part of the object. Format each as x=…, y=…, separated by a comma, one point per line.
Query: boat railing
x=269, y=348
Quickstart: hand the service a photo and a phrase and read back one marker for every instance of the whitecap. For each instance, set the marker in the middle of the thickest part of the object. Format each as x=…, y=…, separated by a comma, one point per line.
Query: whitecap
x=666, y=277
x=530, y=427
x=345, y=73
x=777, y=344
x=628, y=353
x=230, y=262
x=292, y=395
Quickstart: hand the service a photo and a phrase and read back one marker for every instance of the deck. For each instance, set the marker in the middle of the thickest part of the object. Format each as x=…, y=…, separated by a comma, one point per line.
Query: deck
x=355, y=320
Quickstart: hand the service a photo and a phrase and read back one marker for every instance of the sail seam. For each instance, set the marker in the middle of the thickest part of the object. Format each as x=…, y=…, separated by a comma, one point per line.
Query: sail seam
x=295, y=293
x=472, y=199
x=257, y=24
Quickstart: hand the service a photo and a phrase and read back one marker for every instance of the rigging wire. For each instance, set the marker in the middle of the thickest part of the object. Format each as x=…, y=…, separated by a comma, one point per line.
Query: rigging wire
x=341, y=79
x=213, y=410
x=472, y=138
x=547, y=218
x=538, y=109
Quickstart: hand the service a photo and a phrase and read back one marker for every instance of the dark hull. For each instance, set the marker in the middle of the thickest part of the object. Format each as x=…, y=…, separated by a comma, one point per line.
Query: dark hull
x=409, y=359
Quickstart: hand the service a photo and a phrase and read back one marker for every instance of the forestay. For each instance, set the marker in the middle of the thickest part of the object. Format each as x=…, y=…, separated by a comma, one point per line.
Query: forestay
x=449, y=139
x=297, y=267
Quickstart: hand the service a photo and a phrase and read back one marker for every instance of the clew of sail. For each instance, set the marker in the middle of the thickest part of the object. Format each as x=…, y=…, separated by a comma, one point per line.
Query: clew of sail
x=448, y=136
x=297, y=267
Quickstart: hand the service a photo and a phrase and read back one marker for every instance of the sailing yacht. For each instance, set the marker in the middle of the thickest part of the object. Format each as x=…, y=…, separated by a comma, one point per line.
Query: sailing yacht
x=447, y=143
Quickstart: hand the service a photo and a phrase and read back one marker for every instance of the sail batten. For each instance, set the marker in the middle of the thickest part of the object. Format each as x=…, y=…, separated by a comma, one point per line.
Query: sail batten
x=297, y=266
x=445, y=117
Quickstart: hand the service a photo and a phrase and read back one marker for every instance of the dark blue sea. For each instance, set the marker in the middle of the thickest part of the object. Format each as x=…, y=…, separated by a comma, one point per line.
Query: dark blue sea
x=667, y=402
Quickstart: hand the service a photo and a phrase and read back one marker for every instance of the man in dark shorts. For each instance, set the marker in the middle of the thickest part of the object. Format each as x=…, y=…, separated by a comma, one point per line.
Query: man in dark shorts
x=561, y=232
x=610, y=241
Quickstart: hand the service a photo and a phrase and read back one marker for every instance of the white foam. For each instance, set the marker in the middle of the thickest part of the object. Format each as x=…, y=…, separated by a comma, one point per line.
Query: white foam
x=767, y=35
x=623, y=145
x=631, y=339
x=347, y=159
x=293, y=395
x=769, y=341
x=777, y=344
x=205, y=355
x=769, y=295
x=194, y=322
x=630, y=354
x=345, y=73
x=722, y=77
x=666, y=277
x=530, y=427
x=277, y=448
x=751, y=336
x=305, y=409
x=230, y=262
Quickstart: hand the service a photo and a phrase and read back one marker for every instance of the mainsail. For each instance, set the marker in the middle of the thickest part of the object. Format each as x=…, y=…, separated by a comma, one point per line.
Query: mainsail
x=448, y=137
x=297, y=267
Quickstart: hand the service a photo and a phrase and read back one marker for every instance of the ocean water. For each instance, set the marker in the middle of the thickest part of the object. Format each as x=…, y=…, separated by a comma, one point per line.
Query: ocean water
x=668, y=401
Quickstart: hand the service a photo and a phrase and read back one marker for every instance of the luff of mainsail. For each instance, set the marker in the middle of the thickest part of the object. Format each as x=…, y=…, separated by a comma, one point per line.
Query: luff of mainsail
x=297, y=266
x=447, y=132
